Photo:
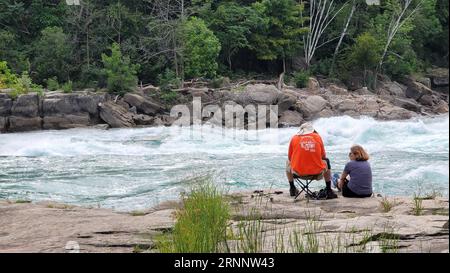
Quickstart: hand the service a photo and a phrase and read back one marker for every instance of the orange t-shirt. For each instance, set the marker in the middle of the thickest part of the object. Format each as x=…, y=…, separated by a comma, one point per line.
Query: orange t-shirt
x=306, y=154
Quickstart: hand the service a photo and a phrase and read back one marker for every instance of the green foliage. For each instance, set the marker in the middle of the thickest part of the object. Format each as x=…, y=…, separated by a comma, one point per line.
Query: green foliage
x=168, y=80
x=365, y=53
x=233, y=24
x=201, y=49
x=52, y=84
x=201, y=223
x=25, y=85
x=301, y=79
x=7, y=79
x=169, y=96
x=401, y=64
x=321, y=67
x=67, y=87
x=53, y=55
x=50, y=39
x=120, y=73
x=11, y=52
x=280, y=32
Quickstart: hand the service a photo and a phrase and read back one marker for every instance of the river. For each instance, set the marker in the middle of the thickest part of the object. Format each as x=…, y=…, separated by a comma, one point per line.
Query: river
x=132, y=169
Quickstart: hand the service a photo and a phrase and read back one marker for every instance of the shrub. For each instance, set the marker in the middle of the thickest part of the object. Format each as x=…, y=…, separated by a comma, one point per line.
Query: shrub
x=67, y=87
x=7, y=79
x=169, y=96
x=120, y=73
x=201, y=223
x=220, y=82
x=52, y=84
x=201, y=51
x=24, y=85
x=301, y=79
x=168, y=80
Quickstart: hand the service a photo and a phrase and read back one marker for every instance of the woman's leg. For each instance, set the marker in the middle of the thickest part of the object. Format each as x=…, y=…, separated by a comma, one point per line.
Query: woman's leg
x=346, y=192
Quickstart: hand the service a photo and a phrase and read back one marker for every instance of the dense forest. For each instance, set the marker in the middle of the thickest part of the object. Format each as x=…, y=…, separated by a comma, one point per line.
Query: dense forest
x=118, y=44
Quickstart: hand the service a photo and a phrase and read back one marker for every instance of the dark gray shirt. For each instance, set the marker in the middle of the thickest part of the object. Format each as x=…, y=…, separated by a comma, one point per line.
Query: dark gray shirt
x=360, y=177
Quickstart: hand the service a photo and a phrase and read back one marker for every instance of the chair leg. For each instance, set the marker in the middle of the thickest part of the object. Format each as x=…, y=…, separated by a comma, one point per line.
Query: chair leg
x=304, y=188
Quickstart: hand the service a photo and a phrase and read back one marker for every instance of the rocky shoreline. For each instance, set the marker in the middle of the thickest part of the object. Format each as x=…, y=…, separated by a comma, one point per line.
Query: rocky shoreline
x=322, y=98
x=51, y=227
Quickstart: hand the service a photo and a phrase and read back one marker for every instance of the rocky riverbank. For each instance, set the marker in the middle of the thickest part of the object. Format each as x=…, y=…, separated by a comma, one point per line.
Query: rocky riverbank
x=368, y=225
x=322, y=98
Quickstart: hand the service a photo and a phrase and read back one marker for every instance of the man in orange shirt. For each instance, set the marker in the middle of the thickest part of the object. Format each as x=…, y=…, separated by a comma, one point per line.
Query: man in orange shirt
x=307, y=156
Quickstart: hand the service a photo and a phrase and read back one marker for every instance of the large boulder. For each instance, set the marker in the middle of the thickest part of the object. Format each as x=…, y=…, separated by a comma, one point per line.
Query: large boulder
x=203, y=93
x=23, y=124
x=391, y=112
x=66, y=121
x=393, y=88
x=143, y=120
x=3, y=124
x=441, y=107
x=408, y=104
x=416, y=90
x=26, y=106
x=143, y=105
x=336, y=90
x=286, y=100
x=369, y=106
x=263, y=94
x=115, y=115
x=439, y=77
x=348, y=105
x=290, y=119
x=164, y=120
x=313, y=84
x=71, y=104
x=64, y=111
x=427, y=100
x=5, y=105
x=310, y=106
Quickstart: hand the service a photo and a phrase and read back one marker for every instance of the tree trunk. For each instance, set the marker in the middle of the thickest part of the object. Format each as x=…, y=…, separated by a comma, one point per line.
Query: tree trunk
x=344, y=32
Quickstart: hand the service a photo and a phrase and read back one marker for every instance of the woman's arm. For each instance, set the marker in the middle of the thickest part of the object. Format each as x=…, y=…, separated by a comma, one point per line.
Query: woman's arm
x=342, y=180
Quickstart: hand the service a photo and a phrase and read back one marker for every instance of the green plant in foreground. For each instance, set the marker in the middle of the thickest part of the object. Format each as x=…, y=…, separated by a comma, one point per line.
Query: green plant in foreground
x=386, y=205
x=418, y=206
x=201, y=223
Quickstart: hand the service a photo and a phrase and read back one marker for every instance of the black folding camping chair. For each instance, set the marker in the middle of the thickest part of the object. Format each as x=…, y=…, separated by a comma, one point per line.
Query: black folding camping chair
x=303, y=182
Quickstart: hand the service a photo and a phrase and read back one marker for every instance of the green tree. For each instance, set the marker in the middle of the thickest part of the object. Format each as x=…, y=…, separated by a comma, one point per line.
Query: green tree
x=364, y=54
x=280, y=34
x=12, y=51
x=233, y=25
x=201, y=49
x=53, y=55
x=7, y=78
x=120, y=73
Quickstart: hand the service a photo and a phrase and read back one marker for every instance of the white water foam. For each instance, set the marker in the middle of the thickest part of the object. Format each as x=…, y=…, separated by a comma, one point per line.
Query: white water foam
x=135, y=168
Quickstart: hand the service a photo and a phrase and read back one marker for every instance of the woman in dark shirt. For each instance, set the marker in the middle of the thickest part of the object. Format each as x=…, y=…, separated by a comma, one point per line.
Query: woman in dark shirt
x=360, y=183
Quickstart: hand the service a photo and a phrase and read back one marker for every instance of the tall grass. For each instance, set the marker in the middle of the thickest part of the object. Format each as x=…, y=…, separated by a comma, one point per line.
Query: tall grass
x=204, y=225
x=386, y=204
x=201, y=223
x=418, y=206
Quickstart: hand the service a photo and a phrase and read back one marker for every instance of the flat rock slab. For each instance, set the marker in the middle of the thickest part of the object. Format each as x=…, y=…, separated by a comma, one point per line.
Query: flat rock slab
x=358, y=224
x=50, y=227
x=339, y=225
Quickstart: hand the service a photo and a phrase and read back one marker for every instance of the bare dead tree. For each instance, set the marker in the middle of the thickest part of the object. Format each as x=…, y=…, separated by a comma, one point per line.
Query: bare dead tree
x=166, y=17
x=343, y=34
x=321, y=14
x=399, y=17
